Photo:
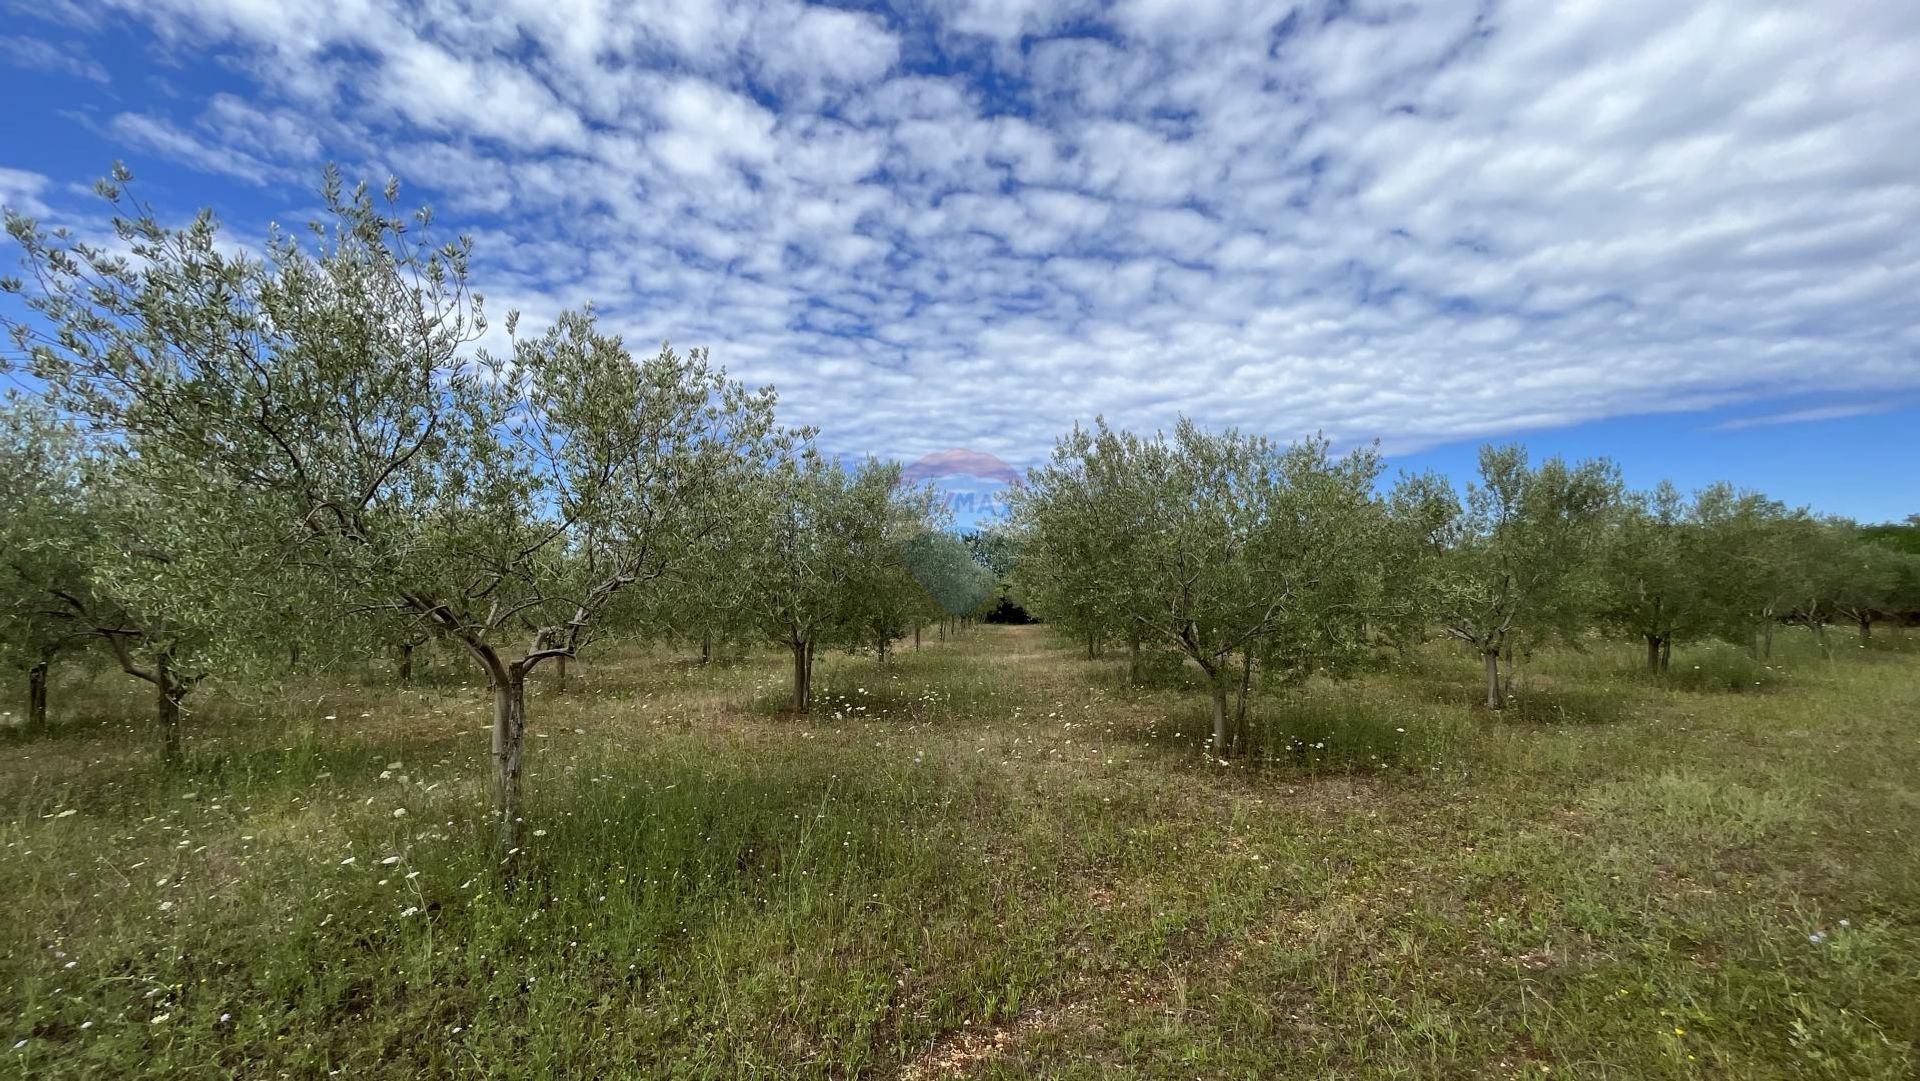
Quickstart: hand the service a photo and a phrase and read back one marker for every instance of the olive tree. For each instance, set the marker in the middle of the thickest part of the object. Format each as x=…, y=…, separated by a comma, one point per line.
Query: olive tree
x=1075, y=520
x=823, y=533
x=997, y=548
x=1522, y=553
x=953, y=580
x=100, y=549
x=44, y=530
x=331, y=387
x=1752, y=563
x=1653, y=573
x=886, y=601
x=706, y=600
x=1222, y=545
x=1872, y=581
x=1414, y=557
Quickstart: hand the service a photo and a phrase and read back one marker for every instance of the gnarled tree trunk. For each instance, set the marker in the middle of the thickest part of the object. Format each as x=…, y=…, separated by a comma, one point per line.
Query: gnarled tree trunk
x=1653, y=653
x=169, y=692
x=509, y=747
x=1222, y=736
x=1666, y=654
x=802, y=675
x=406, y=665
x=1241, y=743
x=37, y=695
x=1493, y=678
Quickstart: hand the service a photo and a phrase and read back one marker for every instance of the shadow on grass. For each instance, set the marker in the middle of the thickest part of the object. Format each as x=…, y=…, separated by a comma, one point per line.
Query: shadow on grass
x=929, y=687
x=68, y=726
x=1323, y=728
x=1531, y=697
x=1160, y=670
x=1566, y=705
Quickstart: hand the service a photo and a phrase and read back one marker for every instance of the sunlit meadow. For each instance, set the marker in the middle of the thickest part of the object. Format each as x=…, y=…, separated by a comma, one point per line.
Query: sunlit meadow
x=987, y=858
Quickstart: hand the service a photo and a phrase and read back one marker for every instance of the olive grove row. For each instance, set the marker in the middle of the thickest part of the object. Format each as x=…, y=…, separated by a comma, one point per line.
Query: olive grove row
x=216, y=459
x=1254, y=559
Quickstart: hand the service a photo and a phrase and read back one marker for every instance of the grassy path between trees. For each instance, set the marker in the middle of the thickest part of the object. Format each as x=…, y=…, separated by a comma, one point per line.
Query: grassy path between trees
x=992, y=859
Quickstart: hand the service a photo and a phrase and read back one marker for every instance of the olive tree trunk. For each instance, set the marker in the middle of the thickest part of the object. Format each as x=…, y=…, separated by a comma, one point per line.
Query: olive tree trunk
x=37, y=695
x=802, y=675
x=1242, y=743
x=509, y=747
x=167, y=707
x=1493, y=678
x=1221, y=733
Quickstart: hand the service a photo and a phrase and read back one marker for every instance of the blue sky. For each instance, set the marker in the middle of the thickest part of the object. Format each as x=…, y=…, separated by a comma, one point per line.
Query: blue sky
x=1685, y=236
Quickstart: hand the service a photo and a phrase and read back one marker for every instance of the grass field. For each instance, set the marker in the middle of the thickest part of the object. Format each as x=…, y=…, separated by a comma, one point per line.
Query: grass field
x=991, y=859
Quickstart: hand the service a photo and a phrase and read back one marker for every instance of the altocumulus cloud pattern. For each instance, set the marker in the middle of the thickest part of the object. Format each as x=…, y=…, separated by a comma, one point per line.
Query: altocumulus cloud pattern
x=969, y=223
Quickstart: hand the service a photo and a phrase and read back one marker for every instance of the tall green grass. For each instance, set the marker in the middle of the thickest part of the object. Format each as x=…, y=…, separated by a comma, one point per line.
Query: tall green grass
x=995, y=857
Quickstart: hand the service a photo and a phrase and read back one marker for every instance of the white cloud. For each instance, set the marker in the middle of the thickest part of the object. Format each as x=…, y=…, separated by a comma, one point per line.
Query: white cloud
x=1807, y=416
x=160, y=136
x=976, y=224
x=442, y=92
x=708, y=126
x=1010, y=20
x=20, y=191
x=824, y=45
x=38, y=55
